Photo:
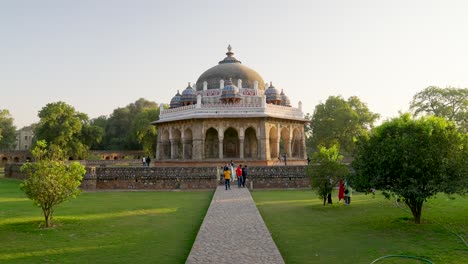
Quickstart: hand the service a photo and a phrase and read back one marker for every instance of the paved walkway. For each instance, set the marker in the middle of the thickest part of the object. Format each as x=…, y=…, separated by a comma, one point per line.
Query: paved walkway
x=233, y=232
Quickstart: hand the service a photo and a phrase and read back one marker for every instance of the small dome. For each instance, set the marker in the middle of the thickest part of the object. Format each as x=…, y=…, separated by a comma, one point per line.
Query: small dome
x=176, y=100
x=272, y=95
x=230, y=90
x=189, y=96
x=285, y=99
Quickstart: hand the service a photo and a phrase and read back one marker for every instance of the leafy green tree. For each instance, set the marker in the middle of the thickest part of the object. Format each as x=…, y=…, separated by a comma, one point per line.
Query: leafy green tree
x=67, y=129
x=413, y=159
x=327, y=170
x=125, y=127
x=146, y=132
x=450, y=103
x=7, y=130
x=341, y=122
x=51, y=181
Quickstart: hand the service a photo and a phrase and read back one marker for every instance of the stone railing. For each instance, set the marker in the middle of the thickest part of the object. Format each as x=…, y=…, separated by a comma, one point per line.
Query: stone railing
x=229, y=110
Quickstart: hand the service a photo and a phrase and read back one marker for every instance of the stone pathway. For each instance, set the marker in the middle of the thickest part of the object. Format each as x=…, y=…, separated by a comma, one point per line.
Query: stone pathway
x=233, y=232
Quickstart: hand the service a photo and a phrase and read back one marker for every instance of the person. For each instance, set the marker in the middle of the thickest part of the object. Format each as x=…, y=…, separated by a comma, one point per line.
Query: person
x=232, y=168
x=348, y=193
x=284, y=157
x=239, y=175
x=227, y=178
x=341, y=191
x=308, y=160
x=144, y=161
x=148, y=161
x=244, y=175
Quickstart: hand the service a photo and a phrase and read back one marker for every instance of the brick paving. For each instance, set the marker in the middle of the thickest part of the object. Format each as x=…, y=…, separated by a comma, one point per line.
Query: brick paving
x=233, y=232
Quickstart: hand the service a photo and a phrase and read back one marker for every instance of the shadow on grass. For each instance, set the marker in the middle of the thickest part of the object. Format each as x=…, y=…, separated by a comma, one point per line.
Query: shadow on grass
x=34, y=224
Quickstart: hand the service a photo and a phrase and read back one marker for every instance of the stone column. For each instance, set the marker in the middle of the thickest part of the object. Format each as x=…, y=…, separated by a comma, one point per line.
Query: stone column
x=241, y=145
x=173, y=150
x=288, y=148
x=183, y=148
x=221, y=148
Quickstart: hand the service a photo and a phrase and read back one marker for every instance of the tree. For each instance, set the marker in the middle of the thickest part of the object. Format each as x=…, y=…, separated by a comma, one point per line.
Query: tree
x=124, y=128
x=413, y=159
x=341, y=122
x=7, y=130
x=146, y=132
x=327, y=171
x=450, y=103
x=51, y=181
x=62, y=126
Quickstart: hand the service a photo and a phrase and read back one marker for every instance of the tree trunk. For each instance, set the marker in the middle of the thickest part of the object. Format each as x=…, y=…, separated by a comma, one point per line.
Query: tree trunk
x=416, y=209
x=47, y=217
x=329, y=198
x=324, y=201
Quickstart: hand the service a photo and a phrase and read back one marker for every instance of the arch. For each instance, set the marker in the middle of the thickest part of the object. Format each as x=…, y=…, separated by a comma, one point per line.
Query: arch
x=231, y=143
x=176, y=144
x=28, y=159
x=188, y=143
x=273, y=135
x=4, y=160
x=107, y=158
x=165, y=150
x=211, y=144
x=250, y=143
x=16, y=159
x=297, y=146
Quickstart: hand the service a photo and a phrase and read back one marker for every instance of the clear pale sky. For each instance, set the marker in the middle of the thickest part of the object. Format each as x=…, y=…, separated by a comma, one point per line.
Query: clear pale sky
x=100, y=55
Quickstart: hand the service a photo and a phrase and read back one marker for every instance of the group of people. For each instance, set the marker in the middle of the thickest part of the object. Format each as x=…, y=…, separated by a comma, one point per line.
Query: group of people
x=146, y=161
x=345, y=192
x=240, y=175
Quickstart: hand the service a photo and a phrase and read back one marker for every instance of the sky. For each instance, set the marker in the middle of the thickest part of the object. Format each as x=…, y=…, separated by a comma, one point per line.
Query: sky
x=98, y=55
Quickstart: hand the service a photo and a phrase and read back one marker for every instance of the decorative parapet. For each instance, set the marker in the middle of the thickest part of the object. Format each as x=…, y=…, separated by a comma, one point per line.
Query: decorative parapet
x=230, y=111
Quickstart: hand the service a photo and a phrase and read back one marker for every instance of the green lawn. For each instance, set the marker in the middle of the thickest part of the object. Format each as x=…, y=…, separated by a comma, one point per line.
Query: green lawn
x=371, y=227
x=101, y=227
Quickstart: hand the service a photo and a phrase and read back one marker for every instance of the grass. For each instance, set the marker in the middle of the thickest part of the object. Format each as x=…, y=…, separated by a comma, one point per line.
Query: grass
x=101, y=227
x=371, y=227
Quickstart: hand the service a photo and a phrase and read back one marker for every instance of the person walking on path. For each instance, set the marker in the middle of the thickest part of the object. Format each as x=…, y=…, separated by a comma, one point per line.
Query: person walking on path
x=348, y=193
x=341, y=191
x=244, y=175
x=227, y=178
x=239, y=175
x=148, y=161
x=143, y=160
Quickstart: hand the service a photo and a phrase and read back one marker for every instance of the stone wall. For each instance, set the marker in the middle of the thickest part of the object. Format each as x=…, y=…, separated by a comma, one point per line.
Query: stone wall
x=183, y=178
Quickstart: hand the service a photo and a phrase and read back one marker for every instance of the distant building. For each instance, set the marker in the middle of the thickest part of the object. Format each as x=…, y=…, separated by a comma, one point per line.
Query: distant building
x=24, y=138
x=230, y=113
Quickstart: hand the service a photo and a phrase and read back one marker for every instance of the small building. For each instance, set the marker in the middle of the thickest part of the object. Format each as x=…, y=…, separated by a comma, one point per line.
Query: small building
x=24, y=138
x=230, y=113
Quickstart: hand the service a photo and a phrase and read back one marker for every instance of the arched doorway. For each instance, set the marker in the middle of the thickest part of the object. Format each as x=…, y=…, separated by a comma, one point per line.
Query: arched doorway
x=165, y=149
x=177, y=141
x=273, y=135
x=211, y=144
x=250, y=144
x=284, y=142
x=297, y=146
x=231, y=143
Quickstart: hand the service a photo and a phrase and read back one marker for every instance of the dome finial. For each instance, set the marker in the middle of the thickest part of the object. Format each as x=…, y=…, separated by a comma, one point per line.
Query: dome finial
x=229, y=53
x=189, y=84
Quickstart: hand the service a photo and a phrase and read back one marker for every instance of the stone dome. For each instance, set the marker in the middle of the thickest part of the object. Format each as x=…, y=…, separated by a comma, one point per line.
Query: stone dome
x=176, y=100
x=189, y=96
x=272, y=95
x=230, y=68
x=230, y=91
x=285, y=99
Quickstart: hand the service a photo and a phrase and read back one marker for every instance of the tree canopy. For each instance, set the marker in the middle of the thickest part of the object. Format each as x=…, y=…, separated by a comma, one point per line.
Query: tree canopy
x=339, y=121
x=129, y=128
x=51, y=181
x=450, y=103
x=67, y=129
x=327, y=170
x=413, y=159
x=7, y=130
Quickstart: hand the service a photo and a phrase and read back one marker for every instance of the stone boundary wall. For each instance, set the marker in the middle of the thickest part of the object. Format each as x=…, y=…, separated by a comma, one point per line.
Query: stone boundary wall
x=181, y=178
